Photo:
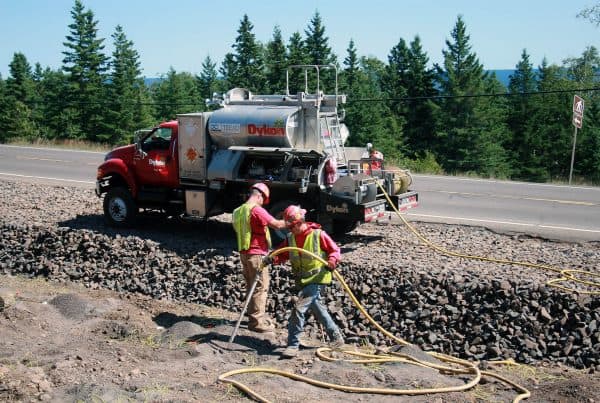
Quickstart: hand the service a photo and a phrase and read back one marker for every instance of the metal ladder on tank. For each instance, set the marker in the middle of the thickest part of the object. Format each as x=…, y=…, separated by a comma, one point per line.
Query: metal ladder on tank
x=333, y=144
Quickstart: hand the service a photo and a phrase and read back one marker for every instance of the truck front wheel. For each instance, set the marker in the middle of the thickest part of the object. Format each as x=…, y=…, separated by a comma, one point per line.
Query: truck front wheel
x=120, y=209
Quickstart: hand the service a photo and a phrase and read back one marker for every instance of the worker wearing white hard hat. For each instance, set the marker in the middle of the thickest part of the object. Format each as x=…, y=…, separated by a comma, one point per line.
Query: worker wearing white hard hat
x=251, y=223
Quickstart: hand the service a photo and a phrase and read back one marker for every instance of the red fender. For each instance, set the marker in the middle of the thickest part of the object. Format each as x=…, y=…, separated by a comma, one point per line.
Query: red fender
x=116, y=166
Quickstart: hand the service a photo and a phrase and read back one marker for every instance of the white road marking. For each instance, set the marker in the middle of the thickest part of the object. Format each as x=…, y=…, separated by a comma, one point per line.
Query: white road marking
x=44, y=177
x=505, y=223
x=23, y=157
x=581, y=203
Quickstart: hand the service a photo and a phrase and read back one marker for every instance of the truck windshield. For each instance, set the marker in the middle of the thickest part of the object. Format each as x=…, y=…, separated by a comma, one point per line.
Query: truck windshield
x=160, y=139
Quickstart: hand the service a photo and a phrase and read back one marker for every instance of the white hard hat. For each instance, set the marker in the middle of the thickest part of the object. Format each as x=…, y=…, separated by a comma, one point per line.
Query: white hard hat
x=369, y=146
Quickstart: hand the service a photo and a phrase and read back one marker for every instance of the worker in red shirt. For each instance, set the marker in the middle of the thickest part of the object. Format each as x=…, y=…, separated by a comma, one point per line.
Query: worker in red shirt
x=310, y=275
x=251, y=223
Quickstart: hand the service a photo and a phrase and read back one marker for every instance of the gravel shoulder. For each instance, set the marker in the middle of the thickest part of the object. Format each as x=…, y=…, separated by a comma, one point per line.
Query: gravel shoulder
x=89, y=313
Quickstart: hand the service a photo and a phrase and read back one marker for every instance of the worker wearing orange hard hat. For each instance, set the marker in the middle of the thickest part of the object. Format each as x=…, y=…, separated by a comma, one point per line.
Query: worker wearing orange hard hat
x=251, y=223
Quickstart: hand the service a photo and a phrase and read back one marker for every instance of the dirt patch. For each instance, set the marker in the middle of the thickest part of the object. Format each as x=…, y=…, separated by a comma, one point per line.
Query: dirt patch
x=62, y=342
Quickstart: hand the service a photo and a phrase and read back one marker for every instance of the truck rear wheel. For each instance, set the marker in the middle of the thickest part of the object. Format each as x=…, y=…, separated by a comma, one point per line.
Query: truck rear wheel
x=343, y=227
x=120, y=209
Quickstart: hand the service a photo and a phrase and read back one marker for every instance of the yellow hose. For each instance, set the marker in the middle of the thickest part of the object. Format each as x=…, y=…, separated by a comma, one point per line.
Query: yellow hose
x=566, y=274
x=467, y=367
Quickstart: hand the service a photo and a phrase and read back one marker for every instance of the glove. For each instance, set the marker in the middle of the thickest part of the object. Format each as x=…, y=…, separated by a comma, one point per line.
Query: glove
x=331, y=265
x=267, y=260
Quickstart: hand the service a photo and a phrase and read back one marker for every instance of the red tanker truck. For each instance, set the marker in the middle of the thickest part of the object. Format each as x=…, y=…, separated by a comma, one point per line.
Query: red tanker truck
x=203, y=164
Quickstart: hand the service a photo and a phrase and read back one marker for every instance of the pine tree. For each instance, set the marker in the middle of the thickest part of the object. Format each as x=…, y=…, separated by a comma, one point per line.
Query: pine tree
x=227, y=70
x=86, y=67
x=208, y=82
x=319, y=52
x=276, y=63
x=125, y=87
x=582, y=72
x=20, y=90
x=490, y=157
x=297, y=55
x=4, y=106
x=395, y=77
x=349, y=76
x=407, y=76
x=176, y=93
x=460, y=76
x=372, y=122
x=522, y=81
x=548, y=136
x=247, y=70
x=59, y=116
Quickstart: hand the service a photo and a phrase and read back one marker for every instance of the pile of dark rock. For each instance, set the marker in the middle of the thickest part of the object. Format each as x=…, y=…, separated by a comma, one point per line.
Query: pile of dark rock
x=466, y=314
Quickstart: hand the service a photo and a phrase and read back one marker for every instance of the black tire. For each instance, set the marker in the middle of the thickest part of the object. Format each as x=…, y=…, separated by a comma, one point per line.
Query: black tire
x=343, y=227
x=120, y=209
x=276, y=210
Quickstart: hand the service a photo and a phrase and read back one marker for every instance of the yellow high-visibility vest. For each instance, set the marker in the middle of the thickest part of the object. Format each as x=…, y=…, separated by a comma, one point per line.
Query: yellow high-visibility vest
x=241, y=224
x=307, y=269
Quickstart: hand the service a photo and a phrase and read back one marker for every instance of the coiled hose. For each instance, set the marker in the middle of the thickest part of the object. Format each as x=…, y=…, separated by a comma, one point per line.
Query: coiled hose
x=464, y=367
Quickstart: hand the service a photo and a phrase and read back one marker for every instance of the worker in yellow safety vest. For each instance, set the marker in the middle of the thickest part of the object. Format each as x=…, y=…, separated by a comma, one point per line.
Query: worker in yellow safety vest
x=310, y=275
x=251, y=223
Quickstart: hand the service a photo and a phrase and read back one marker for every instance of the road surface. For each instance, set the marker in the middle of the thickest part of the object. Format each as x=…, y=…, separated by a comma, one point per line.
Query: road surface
x=561, y=212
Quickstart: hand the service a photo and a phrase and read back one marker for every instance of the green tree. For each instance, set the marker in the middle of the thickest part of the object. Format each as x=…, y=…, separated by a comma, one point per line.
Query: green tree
x=349, y=76
x=175, y=93
x=59, y=115
x=548, y=136
x=227, y=70
x=582, y=72
x=4, y=122
x=591, y=13
x=490, y=156
x=127, y=113
x=86, y=67
x=276, y=63
x=20, y=89
x=461, y=76
x=408, y=76
x=20, y=84
x=208, y=82
x=319, y=52
x=522, y=83
x=395, y=78
x=247, y=70
x=297, y=55
x=368, y=121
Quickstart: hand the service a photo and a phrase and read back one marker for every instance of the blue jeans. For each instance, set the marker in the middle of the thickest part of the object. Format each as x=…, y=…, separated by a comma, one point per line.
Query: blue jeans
x=309, y=298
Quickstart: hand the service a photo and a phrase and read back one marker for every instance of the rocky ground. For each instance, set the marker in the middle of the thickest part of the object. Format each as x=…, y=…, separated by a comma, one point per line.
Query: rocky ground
x=96, y=314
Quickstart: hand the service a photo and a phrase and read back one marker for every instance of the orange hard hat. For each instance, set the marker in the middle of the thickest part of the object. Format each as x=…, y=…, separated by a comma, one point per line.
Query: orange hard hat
x=264, y=190
x=293, y=214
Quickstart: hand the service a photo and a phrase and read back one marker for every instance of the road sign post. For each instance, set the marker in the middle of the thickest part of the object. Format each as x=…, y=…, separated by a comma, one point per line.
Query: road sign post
x=578, y=107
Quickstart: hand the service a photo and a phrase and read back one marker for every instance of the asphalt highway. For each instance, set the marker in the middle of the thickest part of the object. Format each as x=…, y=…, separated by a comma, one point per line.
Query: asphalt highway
x=561, y=212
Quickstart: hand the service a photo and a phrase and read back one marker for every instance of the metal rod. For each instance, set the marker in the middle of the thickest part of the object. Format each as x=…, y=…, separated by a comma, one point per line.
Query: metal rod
x=573, y=154
x=248, y=297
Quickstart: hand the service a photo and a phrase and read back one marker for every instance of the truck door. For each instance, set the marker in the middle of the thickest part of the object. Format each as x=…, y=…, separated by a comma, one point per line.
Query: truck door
x=155, y=161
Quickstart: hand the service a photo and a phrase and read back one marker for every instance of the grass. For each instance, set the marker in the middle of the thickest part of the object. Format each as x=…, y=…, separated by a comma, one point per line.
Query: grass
x=71, y=144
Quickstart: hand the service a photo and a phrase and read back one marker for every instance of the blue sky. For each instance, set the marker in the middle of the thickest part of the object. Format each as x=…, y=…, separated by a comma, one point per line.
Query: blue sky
x=181, y=33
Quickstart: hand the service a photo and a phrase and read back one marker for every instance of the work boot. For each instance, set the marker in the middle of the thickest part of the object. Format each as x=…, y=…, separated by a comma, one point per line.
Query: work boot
x=264, y=327
x=290, y=352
